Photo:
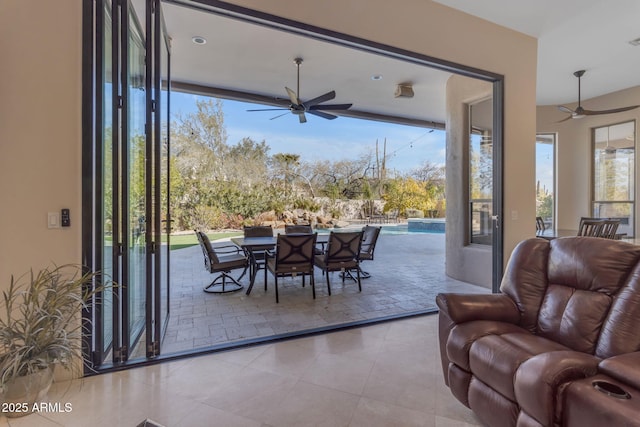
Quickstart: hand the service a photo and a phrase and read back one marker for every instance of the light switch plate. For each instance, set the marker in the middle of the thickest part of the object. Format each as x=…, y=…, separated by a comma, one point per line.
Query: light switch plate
x=53, y=219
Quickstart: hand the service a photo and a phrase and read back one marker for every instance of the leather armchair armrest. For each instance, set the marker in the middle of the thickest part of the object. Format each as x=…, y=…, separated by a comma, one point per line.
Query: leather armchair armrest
x=624, y=368
x=538, y=379
x=462, y=308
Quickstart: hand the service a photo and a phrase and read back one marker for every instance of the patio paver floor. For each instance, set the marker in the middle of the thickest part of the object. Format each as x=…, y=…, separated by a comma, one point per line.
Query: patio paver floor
x=406, y=275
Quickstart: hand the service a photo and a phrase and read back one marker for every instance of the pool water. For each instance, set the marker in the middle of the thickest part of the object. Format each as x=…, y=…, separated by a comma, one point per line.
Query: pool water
x=404, y=229
x=390, y=229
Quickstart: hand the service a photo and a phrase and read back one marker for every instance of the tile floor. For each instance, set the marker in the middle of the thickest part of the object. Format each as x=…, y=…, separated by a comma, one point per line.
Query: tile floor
x=407, y=274
x=386, y=374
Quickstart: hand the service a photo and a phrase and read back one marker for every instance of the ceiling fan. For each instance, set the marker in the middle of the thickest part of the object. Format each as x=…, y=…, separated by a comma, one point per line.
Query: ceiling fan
x=580, y=112
x=311, y=106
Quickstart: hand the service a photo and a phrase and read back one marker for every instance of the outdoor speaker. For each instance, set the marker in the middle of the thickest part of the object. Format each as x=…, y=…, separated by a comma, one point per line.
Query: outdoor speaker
x=404, y=91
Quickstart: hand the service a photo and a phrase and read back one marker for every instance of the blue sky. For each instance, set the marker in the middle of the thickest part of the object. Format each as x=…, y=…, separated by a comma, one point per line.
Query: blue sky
x=408, y=147
x=544, y=165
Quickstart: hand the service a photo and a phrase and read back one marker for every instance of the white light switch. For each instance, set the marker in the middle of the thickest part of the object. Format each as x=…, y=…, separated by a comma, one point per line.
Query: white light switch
x=514, y=215
x=53, y=219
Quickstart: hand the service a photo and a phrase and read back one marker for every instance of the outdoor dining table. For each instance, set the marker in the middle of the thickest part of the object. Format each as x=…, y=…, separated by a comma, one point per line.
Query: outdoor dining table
x=253, y=245
x=550, y=234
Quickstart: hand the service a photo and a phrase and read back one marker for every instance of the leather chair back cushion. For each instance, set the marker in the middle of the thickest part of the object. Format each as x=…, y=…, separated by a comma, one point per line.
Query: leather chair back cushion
x=584, y=275
x=525, y=279
x=573, y=317
x=620, y=331
x=565, y=288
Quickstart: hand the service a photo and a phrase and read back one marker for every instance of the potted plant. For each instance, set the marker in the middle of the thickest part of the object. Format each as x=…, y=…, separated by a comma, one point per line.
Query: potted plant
x=41, y=327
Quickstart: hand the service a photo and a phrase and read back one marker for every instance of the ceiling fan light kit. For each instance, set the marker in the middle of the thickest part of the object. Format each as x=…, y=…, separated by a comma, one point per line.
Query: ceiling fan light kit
x=311, y=106
x=580, y=112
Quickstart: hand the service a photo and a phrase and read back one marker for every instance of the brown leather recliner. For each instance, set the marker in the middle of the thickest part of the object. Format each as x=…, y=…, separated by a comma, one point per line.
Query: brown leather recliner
x=566, y=309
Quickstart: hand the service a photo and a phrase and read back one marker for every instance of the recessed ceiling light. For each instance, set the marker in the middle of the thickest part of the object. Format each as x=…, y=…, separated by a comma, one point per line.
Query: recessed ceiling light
x=198, y=40
x=376, y=77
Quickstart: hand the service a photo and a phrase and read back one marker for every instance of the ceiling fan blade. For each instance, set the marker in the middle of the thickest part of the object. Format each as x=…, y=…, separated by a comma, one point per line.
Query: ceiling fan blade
x=565, y=109
x=302, y=118
x=322, y=98
x=292, y=96
x=331, y=107
x=564, y=120
x=269, y=109
x=612, y=111
x=322, y=114
x=279, y=115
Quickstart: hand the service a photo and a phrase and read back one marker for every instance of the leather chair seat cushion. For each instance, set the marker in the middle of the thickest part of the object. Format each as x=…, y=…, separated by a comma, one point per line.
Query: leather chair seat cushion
x=494, y=356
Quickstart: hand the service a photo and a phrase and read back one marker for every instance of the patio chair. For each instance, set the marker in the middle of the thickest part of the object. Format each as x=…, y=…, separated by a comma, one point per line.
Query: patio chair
x=293, y=257
x=258, y=257
x=222, y=259
x=540, y=227
x=609, y=229
x=369, y=239
x=303, y=229
x=392, y=216
x=258, y=231
x=297, y=229
x=590, y=227
x=343, y=250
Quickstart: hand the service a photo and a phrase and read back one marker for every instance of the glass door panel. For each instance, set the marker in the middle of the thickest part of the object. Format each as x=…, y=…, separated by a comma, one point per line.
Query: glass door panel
x=107, y=178
x=158, y=221
x=163, y=170
x=136, y=182
x=481, y=172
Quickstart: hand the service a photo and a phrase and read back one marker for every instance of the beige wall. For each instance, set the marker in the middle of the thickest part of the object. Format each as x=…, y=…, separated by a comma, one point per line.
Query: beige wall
x=573, y=151
x=40, y=156
x=40, y=105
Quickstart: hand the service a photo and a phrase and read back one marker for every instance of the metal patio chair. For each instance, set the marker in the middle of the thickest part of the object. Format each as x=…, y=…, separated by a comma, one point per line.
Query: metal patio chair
x=222, y=259
x=293, y=257
x=342, y=254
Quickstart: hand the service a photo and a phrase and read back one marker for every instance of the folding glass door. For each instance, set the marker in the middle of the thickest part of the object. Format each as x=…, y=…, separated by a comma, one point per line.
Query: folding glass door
x=130, y=181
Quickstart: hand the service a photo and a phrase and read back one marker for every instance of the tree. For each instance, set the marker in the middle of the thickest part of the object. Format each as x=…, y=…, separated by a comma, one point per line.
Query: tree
x=285, y=166
x=246, y=162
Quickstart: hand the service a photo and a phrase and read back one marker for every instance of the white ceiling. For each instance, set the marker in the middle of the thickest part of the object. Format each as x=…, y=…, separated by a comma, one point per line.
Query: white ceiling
x=572, y=35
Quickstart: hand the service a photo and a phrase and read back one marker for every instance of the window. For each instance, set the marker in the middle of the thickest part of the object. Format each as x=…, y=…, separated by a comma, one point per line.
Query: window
x=481, y=172
x=614, y=174
x=545, y=178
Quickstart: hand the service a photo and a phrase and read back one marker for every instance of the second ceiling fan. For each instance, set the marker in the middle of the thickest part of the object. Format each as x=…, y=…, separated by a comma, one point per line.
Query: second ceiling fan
x=311, y=106
x=580, y=112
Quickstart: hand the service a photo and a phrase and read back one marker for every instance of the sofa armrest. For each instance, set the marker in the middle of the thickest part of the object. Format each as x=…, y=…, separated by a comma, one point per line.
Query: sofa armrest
x=538, y=379
x=624, y=368
x=461, y=308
